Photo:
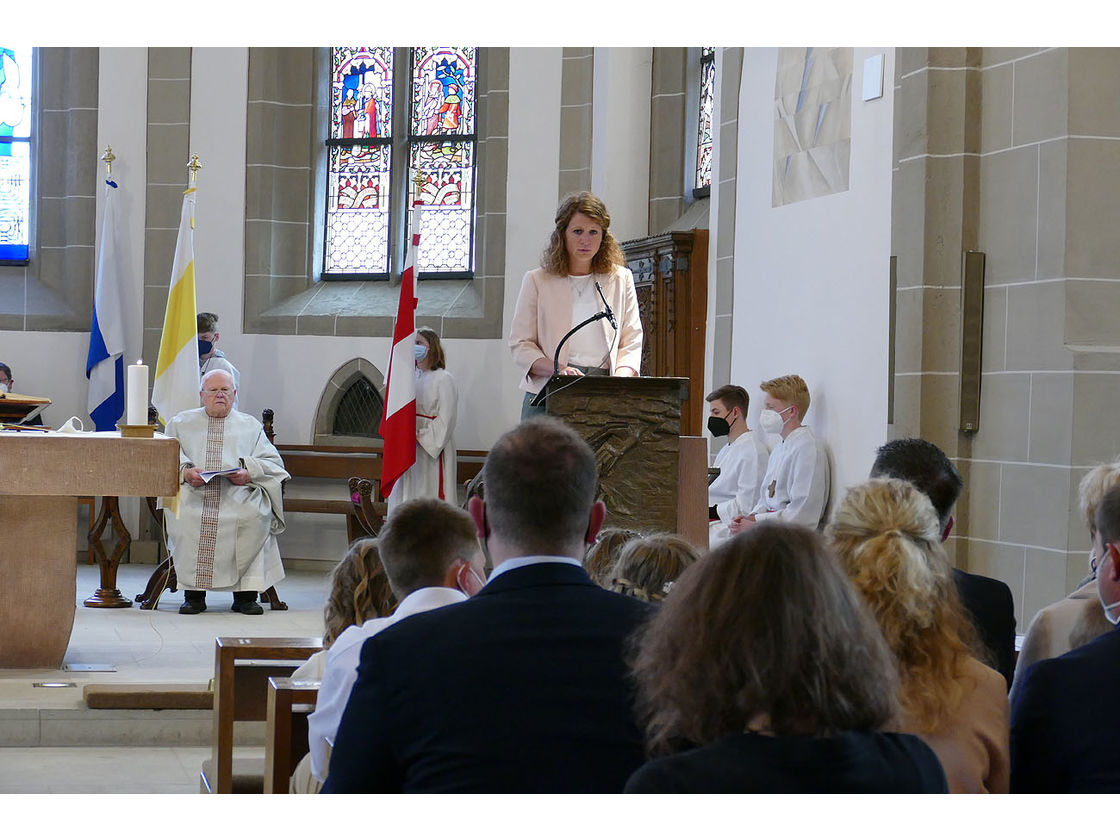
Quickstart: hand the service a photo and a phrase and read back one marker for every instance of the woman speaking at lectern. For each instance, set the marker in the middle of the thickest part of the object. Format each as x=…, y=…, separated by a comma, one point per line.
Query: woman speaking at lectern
x=581, y=269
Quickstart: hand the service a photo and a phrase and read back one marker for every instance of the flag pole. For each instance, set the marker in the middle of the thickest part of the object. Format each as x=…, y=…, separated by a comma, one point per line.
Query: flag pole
x=108, y=157
x=193, y=165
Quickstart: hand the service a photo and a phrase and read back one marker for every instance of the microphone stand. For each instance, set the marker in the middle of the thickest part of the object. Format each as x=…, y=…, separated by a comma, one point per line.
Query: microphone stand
x=540, y=398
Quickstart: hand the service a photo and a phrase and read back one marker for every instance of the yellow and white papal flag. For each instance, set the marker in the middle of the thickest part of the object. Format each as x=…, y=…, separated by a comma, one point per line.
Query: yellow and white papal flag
x=176, y=383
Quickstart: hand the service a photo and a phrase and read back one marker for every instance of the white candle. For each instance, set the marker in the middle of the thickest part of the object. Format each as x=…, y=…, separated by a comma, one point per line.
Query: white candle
x=137, y=413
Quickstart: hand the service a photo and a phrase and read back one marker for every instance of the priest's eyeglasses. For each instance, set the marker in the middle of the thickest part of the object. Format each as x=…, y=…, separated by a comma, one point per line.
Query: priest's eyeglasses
x=217, y=390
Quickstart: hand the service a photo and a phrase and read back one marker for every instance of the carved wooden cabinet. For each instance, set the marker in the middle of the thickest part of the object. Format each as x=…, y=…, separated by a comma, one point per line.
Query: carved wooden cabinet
x=671, y=280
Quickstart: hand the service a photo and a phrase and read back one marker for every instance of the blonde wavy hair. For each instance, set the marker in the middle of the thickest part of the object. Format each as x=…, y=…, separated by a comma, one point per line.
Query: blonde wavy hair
x=359, y=590
x=887, y=537
x=555, y=256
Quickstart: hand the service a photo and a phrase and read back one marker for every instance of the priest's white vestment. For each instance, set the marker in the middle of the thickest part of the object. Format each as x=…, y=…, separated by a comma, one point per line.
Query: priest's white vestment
x=224, y=536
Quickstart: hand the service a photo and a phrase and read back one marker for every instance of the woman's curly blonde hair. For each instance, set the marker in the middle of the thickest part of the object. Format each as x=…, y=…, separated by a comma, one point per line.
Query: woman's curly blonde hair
x=555, y=256
x=359, y=590
x=886, y=535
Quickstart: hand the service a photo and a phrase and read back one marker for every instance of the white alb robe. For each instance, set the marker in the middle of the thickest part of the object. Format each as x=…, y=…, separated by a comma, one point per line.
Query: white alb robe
x=224, y=537
x=433, y=474
x=735, y=491
x=795, y=487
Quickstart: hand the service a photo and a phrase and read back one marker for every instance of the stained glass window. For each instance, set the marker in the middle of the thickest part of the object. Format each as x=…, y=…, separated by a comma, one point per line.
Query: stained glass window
x=704, y=130
x=361, y=153
x=369, y=193
x=15, y=153
x=441, y=149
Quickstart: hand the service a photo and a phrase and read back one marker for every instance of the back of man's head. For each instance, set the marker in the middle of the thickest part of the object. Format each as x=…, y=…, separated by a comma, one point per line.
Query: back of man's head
x=421, y=540
x=926, y=467
x=1108, y=517
x=540, y=483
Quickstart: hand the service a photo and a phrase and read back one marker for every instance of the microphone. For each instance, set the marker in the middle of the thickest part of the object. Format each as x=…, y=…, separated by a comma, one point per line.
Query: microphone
x=606, y=306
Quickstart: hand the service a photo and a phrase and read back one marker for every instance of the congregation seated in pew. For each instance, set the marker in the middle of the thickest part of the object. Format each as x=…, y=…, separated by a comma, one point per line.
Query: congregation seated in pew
x=429, y=558
x=762, y=672
x=536, y=656
x=360, y=591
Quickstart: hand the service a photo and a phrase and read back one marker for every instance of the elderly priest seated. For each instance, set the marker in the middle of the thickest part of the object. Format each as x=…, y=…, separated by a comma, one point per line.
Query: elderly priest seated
x=230, y=507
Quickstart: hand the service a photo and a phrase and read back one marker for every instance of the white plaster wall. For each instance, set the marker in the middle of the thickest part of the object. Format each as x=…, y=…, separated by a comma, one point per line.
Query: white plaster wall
x=812, y=278
x=620, y=136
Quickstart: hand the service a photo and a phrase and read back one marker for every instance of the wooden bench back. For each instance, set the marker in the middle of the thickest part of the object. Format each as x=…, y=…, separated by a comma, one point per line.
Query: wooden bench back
x=289, y=703
x=245, y=692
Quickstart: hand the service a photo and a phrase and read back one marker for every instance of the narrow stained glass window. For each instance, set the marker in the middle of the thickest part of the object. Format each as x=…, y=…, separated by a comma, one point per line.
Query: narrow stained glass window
x=431, y=125
x=15, y=153
x=442, y=138
x=361, y=131
x=704, y=132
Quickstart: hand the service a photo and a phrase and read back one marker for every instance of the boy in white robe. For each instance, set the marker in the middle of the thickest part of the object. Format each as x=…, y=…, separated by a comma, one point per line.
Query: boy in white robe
x=742, y=462
x=795, y=487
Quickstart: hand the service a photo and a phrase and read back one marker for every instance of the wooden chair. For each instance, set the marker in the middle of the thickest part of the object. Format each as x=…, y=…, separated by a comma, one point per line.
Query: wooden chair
x=285, y=738
x=241, y=694
x=163, y=578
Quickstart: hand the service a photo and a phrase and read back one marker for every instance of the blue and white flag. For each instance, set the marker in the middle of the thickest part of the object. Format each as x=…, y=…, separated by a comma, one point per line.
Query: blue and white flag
x=105, y=363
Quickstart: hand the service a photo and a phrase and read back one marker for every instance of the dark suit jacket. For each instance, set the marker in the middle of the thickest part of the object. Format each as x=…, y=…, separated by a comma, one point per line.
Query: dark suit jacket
x=848, y=762
x=522, y=688
x=1065, y=737
x=989, y=603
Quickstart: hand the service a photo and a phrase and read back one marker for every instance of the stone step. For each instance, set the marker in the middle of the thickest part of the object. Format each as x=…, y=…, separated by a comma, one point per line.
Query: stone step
x=84, y=727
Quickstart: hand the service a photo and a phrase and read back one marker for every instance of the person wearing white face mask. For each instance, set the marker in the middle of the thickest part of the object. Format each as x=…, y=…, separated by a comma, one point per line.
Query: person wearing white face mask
x=437, y=402
x=1077, y=618
x=5, y=379
x=742, y=462
x=795, y=487
x=1064, y=735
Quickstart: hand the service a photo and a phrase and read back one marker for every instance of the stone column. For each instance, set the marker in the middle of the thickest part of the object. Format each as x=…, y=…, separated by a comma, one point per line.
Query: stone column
x=1015, y=153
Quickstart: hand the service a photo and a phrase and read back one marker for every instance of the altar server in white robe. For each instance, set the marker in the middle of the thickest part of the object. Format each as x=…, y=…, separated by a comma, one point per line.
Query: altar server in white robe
x=223, y=533
x=742, y=462
x=437, y=400
x=796, y=485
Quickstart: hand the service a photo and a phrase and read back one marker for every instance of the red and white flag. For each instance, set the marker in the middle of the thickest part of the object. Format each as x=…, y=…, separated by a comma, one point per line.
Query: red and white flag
x=398, y=424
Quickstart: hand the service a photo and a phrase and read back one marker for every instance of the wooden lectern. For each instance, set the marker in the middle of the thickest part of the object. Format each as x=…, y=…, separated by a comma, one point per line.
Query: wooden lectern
x=633, y=424
x=41, y=476
x=20, y=408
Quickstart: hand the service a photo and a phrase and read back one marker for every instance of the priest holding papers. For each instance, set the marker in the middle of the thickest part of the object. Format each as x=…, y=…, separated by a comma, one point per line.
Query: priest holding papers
x=223, y=536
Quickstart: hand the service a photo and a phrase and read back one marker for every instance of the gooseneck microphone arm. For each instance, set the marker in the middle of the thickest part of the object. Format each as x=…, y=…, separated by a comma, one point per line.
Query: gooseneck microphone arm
x=606, y=306
x=596, y=317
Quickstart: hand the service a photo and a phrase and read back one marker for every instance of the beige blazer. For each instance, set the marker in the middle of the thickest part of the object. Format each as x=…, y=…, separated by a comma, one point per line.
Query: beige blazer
x=1059, y=628
x=974, y=744
x=544, y=314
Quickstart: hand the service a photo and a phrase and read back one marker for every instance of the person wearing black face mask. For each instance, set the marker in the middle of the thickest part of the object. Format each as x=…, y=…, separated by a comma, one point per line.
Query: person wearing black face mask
x=742, y=462
x=209, y=357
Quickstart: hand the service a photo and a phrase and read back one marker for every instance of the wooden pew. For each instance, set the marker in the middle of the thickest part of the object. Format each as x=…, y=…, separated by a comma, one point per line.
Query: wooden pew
x=285, y=740
x=346, y=463
x=242, y=667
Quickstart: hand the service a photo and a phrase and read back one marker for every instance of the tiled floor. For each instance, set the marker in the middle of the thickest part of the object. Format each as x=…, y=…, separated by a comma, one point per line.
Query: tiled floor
x=144, y=647
x=101, y=769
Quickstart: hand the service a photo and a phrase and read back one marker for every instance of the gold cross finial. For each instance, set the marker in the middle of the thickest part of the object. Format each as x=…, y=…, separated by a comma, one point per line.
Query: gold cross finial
x=194, y=166
x=419, y=182
x=108, y=157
